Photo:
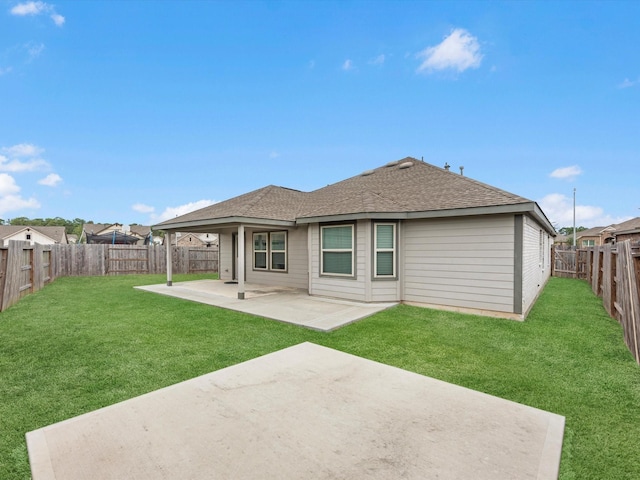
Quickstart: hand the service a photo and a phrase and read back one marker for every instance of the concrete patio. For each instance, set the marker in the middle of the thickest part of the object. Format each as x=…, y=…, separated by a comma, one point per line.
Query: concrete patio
x=285, y=304
x=304, y=412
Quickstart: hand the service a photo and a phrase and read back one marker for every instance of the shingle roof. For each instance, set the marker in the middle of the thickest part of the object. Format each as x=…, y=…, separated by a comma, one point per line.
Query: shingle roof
x=407, y=185
x=53, y=232
x=632, y=224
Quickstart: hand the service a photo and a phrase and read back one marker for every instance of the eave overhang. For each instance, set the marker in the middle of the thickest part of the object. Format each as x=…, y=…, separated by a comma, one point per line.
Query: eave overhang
x=218, y=223
x=529, y=208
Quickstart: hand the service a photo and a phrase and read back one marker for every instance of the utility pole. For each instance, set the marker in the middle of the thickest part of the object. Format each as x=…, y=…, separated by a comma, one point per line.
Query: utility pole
x=574, y=218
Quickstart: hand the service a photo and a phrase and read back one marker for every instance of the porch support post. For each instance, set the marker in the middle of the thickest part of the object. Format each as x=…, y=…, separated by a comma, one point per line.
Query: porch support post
x=167, y=244
x=241, y=262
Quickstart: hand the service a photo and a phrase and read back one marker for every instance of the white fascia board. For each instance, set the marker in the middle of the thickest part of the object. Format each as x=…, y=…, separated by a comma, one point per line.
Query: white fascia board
x=195, y=225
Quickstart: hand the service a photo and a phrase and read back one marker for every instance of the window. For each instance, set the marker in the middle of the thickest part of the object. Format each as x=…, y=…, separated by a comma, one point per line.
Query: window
x=260, y=251
x=385, y=250
x=270, y=251
x=278, y=246
x=588, y=243
x=336, y=245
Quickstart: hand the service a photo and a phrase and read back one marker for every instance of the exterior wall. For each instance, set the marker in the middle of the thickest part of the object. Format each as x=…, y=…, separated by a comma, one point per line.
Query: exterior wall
x=36, y=237
x=633, y=236
x=189, y=240
x=536, y=265
x=296, y=275
x=226, y=262
x=352, y=288
x=363, y=287
x=465, y=262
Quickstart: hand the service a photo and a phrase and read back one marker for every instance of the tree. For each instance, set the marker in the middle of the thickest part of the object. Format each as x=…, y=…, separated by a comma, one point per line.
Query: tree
x=568, y=231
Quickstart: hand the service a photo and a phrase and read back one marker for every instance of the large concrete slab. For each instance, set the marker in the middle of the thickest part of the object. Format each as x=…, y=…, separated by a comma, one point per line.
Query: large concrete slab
x=305, y=412
x=285, y=304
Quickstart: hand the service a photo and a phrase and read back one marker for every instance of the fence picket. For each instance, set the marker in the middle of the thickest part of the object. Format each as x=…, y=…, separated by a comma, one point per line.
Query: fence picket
x=25, y=268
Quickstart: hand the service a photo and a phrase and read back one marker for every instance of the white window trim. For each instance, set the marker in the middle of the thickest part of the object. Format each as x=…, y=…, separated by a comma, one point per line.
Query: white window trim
x=392, y=250
x=272, y=251
x=268, y=251
x=329, y=250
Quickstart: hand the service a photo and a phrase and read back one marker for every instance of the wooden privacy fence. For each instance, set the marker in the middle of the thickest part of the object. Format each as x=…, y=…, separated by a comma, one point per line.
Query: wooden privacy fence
x=26, y=268
x=614, y=274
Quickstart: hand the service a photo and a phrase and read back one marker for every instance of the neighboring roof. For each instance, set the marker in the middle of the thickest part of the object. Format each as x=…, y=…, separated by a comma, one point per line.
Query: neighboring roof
x=97, y=228
x=407, y=187
x=57, y=234
x=591, y=232
x=628, y=226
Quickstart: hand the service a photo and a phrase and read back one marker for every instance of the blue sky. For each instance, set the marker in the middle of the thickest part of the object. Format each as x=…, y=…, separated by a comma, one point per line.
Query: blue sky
x=137, y=111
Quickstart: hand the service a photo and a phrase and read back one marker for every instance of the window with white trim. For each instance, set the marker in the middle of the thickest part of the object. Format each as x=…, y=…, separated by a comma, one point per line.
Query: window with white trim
x=337, y=250
x=270, y=251
x=278, y=250
x=384, y=259
x=260, y=251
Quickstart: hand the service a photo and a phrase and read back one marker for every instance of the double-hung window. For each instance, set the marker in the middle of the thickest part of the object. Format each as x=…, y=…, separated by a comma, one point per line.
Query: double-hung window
x=337, y=250
x=278, y=250
x=385, y=250
x=270, y=251
x=260, y=251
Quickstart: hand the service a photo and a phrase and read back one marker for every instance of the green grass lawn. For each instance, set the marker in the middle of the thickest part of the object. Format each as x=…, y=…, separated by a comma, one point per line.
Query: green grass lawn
x=84, y=343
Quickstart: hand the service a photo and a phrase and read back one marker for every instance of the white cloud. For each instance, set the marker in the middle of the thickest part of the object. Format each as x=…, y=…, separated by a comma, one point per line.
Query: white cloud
x=274, y=154
x=22, y=158
x=57, y=19
x=8, y=185
x=458, y=51
x=38, y=8
x=5, y=70
x=379, y=60
x=51, y=180
x=142, y=208
x=559, y=209
x=626, y=83
x=348, y=65
x=172, y=212
x=23, y=150
x=34, y=50
x=566, y=173
x=9, y=198
x=29, y=8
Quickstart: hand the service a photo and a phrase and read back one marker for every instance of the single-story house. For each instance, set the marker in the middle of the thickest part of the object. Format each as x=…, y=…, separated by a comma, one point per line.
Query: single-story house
x=629, y=230
x=405, y=232
x=43, y=235
x=595, y=236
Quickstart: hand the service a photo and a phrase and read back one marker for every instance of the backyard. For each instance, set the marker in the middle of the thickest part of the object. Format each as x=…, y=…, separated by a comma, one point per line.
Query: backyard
x=84, y=343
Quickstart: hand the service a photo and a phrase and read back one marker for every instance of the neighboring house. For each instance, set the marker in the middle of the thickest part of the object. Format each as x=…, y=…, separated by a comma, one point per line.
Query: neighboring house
x=629, y=230
x=37, y=234
x=405, y=232
x=205, y=240
x=595, y=237
x=598, y=236
x=115, y=233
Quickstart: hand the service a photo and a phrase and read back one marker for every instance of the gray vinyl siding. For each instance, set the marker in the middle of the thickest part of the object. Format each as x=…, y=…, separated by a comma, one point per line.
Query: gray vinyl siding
x=536, y=263
x=296, y=275
x=226, y=266
x=463, y=262
x=351, y=288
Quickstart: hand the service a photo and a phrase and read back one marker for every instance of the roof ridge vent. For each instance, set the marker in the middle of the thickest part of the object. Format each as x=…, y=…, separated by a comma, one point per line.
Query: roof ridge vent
x=392, y=164
x=367, y=173
x=405, y=165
